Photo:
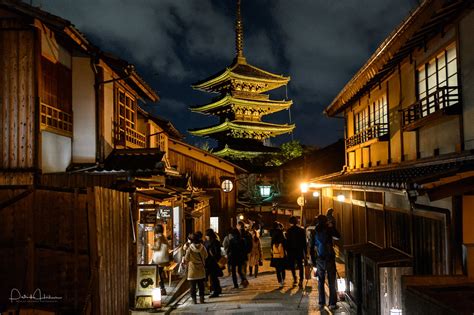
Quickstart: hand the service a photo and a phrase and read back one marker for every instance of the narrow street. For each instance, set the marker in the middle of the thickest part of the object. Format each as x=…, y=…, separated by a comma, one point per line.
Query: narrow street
x=262, y=296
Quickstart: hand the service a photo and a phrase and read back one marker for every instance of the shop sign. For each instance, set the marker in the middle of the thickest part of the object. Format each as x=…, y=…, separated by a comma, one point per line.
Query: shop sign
x=165, y=212
x=148, y=217
x=146, y=282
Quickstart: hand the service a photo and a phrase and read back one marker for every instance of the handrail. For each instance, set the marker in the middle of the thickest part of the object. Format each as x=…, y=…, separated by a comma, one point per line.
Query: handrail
x=441, y=98
x=128, y=137
x=55, y=118
x=373, y=132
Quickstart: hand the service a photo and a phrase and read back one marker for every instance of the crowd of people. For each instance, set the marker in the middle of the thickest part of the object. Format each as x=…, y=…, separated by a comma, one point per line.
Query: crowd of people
x=240, y=252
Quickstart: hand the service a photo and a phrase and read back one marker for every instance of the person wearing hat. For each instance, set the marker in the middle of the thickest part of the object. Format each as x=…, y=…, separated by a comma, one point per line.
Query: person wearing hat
x=325, y=259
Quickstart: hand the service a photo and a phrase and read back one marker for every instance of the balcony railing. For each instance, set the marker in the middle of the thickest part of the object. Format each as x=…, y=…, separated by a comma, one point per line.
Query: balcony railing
x=375, y=131
x=55, y=120
x=440, y=101
x=129, y=137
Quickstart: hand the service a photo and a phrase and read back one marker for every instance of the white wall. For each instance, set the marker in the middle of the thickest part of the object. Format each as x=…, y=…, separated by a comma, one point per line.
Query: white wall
x=83, y=106
x=55, y=152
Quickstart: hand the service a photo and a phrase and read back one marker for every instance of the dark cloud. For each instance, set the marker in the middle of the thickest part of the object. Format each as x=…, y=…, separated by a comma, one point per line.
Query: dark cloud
x=174, y=43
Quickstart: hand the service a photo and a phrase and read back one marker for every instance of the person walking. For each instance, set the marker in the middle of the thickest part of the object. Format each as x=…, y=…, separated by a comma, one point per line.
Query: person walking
x=235, y=254
x=247, y=239
x=296, y=250
x=195, y=257
x=225, y=245
x=324, y=258
x=161, y=255
x=278, y=261
x=213, y=247
x=256, y=255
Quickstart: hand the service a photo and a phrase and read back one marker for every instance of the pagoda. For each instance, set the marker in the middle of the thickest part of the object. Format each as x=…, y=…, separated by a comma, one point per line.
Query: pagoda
x=240, y=106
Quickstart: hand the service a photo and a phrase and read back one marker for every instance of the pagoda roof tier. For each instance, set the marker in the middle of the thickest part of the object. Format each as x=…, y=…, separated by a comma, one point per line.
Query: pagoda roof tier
x=245, y=129
x=244, y=153
x=242, y=76
x=229, y=103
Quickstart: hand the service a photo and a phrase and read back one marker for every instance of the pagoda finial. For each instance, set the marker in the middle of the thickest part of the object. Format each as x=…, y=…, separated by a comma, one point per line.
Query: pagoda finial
x=239, y=35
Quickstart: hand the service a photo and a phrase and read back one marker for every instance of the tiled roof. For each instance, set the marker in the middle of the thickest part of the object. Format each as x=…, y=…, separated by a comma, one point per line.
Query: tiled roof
x=409, y=177
x=138, y=161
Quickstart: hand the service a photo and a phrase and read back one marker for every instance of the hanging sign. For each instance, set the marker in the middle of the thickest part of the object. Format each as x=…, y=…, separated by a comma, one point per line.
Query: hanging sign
x=148, y=217
x=165, y=212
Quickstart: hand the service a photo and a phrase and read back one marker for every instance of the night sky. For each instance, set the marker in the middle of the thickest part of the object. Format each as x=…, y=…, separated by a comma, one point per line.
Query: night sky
x=175, y=43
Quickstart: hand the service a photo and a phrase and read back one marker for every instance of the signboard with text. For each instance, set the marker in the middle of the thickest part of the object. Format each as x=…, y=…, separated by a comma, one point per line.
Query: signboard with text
x=164, y=212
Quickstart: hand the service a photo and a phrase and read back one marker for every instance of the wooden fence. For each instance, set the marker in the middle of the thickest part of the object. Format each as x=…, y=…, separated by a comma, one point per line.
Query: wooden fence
x=71, y=244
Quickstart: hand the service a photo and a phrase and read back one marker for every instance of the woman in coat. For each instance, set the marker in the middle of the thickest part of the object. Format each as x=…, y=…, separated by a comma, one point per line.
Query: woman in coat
x=255, y=256
x=279, y=255
x=160, y=254
x=213, y=247
x=195, y=257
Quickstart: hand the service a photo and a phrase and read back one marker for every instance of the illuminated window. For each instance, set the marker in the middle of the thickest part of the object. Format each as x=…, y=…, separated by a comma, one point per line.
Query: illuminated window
x=214, y=224
x=127, y=109
x=437, y=80
x=374, y=114
x=265, y=191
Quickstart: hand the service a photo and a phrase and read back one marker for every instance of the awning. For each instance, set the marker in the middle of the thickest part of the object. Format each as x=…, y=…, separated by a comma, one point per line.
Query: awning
x=144, y=162
x=418, y=176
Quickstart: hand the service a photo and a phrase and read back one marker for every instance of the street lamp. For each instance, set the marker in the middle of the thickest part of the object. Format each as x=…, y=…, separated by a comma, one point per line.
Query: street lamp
x=304, y=189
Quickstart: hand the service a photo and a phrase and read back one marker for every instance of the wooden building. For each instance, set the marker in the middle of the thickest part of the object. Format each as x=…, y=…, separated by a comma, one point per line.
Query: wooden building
x=80, y=160
x=404, y=201
x=240, y=106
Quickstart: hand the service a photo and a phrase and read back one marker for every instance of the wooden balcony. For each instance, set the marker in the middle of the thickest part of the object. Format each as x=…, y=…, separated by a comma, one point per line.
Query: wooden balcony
x=55, y=120
x=376, y=131
x=444, y=101
x=128, y=137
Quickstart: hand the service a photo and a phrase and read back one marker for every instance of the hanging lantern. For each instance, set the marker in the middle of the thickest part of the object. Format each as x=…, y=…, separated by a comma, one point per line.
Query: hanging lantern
x=156, y=295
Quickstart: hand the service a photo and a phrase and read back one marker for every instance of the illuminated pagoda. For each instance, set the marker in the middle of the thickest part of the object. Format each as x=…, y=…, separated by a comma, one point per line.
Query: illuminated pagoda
x=242, y=103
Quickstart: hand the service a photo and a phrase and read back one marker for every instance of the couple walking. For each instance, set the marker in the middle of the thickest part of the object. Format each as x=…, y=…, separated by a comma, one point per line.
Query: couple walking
x=243, y=250
x=288, y=251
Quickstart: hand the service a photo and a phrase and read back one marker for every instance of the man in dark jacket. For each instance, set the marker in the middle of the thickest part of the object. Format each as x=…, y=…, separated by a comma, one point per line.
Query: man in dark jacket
x=326, y=259
x=296, y=249
x=247, y=238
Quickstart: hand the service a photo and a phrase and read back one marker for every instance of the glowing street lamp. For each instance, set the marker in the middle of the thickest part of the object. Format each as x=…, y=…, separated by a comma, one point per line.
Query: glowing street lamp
x=304, y=187
x=341, y=198
x=315, y=194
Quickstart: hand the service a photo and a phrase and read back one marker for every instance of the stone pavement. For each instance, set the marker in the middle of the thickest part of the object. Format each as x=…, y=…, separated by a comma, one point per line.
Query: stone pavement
x=262, y=296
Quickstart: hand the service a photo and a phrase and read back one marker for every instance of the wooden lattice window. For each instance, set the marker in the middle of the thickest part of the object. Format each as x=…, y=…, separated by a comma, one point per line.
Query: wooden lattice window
x=56, y=85
x=126, y=109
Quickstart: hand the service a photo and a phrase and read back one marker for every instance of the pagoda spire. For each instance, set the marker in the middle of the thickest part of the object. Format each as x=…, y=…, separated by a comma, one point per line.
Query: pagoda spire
x=239, y=35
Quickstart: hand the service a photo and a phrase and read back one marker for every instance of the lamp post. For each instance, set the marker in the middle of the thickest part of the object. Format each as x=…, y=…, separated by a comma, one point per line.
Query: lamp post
x=304, y=189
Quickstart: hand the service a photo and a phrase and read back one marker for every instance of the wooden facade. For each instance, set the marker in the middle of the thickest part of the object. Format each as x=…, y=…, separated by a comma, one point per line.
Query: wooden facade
x=18, y=90
x=409, y=162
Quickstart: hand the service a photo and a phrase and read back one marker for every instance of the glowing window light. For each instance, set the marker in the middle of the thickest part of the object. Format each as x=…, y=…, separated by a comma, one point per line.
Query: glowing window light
x=341, y=285
x=265, y=191
x=156, y=296
x=341, y=198
x=315, y=194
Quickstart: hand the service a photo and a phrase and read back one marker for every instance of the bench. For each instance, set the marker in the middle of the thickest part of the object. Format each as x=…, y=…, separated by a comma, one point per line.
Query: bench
x=169, y=269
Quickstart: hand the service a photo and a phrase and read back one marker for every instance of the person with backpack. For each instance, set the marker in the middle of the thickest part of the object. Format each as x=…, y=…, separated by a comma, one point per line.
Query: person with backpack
x=247, y=238
x=195, y=258
x=324, y=259
x=296, y=240
x=278, y=260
